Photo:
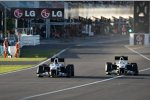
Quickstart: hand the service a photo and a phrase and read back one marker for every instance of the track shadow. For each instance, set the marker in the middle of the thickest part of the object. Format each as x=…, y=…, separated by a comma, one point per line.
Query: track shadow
x=82, y=77
x=148, y=75
x=140, y=76
x=92, y=77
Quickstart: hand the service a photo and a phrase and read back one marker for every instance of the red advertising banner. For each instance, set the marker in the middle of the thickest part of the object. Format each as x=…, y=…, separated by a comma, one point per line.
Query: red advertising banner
x=53, y=13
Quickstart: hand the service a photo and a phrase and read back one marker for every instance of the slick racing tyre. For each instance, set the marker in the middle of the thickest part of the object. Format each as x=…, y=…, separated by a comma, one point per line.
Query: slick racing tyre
x=108, y=68
x=70, y=70
x=135, y=68
x=40, y=70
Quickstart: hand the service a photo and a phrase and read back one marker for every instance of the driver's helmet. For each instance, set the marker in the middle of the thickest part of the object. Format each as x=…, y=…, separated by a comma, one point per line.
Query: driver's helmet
x=56, y=60
x=121, y=58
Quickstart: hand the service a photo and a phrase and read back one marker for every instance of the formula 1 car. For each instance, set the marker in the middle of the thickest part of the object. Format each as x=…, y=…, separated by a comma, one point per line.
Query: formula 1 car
x=56, y=68
x=121, y=67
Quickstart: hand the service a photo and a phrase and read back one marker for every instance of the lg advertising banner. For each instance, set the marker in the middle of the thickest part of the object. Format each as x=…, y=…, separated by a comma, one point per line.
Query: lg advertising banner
x=51, y=13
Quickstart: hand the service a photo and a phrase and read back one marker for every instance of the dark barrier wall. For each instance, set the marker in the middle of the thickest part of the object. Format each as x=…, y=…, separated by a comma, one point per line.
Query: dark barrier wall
x=141, y=16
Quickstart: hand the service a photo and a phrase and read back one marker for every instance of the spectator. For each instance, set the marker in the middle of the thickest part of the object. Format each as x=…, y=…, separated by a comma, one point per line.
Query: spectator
x=124, y=30
x=17, y=49
x=5, y=45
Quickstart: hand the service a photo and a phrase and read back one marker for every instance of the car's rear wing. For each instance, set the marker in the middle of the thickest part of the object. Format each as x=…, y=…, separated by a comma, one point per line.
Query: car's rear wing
x=59, y=59
x=118, y=57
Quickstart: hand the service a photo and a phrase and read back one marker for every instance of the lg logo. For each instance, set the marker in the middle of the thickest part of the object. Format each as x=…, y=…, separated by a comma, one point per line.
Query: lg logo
x=30, y=13
x=57, y=14
x=37, y=13
x=45, y=13
x=18, y=13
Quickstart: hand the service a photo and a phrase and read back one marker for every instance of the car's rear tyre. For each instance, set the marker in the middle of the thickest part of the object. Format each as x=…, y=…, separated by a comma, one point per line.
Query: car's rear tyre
x=108, y=68
x=70, y=70
x=40, y=70
x=135, y=68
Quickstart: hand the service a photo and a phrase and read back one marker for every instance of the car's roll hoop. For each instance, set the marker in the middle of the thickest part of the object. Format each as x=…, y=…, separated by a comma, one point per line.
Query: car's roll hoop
x=121, y=57
x=58, y=59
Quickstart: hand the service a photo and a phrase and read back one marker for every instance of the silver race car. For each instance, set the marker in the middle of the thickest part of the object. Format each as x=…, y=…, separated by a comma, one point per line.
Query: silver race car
x=121, y=67
x=56, y=68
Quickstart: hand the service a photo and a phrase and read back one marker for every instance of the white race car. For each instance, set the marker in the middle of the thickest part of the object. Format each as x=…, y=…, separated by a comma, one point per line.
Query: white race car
x=56, y=68
x=121, y=67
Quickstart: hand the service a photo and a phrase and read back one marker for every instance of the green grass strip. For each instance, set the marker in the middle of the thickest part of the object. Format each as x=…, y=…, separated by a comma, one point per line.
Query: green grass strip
x=33, y=55
x=10, y=68
x=36, y=53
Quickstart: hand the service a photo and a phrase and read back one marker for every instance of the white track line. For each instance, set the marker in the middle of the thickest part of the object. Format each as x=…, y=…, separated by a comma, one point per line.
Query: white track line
x=142, y=70
x=141, y=56
x=36, y=65
x=75, y=87
x=71, y=88
x=137, y=53
x=79, y=86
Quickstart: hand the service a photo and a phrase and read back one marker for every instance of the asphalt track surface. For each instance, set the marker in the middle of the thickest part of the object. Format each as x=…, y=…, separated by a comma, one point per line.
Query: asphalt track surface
x=90, y=81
